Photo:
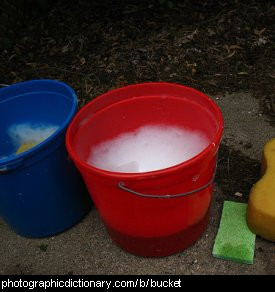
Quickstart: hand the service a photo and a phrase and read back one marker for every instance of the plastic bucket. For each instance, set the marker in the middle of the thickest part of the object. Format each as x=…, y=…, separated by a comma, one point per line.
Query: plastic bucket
x=41, y=191
x=155, y=213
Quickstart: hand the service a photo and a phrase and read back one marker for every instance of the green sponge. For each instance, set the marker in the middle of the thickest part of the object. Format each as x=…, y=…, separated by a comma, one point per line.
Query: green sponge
x=234, y=240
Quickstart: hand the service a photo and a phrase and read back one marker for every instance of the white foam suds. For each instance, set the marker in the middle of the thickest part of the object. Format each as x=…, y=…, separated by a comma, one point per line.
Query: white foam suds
x=148, y=148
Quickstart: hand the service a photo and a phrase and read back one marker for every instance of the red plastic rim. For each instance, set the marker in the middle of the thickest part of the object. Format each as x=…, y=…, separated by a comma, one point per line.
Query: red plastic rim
x=170, y=170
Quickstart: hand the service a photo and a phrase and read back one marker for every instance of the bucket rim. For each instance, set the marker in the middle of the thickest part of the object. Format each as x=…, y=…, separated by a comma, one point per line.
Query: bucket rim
x=212, y=147
x=6, y=162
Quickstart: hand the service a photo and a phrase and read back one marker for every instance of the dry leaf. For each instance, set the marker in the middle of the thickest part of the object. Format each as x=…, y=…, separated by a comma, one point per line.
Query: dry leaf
x=259, y=32
x=82, y=61
x=234, y=47
x=11, y=57
x=227, y=48
x=211, y=32
x=32, y=64
x=230, y=55
x=261, y=41
x=191, y=64
x=65, y=49
x=231, y=48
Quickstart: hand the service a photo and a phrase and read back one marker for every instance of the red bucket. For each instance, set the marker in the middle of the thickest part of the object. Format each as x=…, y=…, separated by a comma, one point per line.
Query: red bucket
x=154, y=213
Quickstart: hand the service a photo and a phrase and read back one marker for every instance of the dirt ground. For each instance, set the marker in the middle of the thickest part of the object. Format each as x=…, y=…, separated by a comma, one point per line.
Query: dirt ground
x=225, y=50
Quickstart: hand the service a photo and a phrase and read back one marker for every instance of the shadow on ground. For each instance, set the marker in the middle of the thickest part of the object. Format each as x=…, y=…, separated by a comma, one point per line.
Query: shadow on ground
x=236, y=172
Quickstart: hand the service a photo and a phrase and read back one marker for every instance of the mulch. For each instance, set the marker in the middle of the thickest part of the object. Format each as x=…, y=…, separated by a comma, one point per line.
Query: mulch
x=217, y=47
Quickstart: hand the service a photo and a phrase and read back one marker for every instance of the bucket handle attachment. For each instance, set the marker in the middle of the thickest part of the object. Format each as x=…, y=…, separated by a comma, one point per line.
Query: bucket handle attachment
x=167, y=196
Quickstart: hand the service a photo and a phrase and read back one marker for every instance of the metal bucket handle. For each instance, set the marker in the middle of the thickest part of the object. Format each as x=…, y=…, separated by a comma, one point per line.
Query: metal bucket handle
x=123, y=187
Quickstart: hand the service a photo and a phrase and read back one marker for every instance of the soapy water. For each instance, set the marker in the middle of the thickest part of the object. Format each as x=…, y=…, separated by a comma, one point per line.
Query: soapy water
x=148, y=148
x=28, y=133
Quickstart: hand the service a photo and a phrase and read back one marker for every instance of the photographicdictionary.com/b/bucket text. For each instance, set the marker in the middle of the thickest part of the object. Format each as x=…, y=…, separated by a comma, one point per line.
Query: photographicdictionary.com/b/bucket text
x=106, y=282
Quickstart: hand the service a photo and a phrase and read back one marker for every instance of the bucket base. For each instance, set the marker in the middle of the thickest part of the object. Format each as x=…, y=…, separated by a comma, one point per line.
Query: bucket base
x=53, y=232
x=161, y=246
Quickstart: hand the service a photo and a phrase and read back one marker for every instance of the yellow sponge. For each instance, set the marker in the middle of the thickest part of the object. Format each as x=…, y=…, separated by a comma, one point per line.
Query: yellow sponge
x=24, y=147
x=261, y=205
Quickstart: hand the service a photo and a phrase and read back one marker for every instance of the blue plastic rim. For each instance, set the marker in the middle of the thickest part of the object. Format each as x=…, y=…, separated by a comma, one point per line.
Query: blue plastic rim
x=46, y=101
x=41, y=192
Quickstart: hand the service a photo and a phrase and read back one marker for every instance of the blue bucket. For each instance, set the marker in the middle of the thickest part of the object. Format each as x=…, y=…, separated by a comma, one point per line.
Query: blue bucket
x=41, y=192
